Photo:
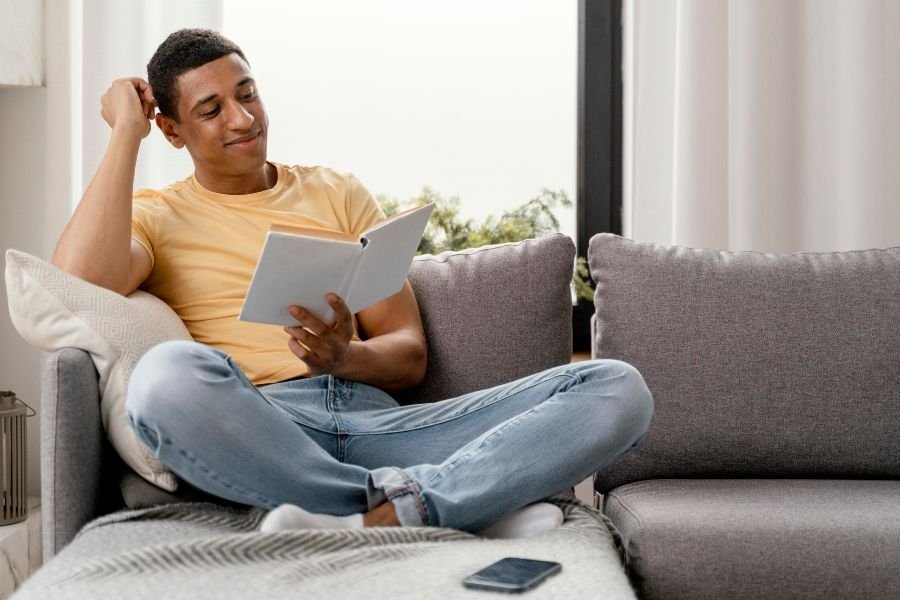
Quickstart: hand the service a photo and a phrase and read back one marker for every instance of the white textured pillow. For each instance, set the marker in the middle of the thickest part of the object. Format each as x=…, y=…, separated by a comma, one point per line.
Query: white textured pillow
x=52, y=309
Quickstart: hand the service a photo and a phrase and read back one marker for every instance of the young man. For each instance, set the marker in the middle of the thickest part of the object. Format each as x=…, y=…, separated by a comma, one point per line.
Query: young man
x=299, y=419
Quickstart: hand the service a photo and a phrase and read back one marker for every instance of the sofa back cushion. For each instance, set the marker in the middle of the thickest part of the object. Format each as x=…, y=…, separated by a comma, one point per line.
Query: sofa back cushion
x=493, y=314
x=763, y=365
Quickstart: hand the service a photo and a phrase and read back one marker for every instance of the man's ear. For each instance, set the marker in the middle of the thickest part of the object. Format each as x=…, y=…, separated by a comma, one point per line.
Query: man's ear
x=168, y=128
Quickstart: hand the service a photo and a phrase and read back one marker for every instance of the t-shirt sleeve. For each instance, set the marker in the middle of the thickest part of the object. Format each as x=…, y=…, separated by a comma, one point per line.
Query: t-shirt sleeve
x=144, y=221
x=362, y=208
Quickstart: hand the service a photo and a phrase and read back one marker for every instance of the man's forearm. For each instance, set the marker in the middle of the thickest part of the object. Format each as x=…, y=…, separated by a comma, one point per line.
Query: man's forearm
x=96, y=244
x=393, y=362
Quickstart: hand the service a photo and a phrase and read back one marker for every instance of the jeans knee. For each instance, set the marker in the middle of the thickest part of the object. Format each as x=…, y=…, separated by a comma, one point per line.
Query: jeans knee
x=631, y=398
x=638, y=402
x=163, y=376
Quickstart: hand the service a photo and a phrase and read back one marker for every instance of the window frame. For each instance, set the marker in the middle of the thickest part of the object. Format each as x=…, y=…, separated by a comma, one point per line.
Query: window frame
x=599, y=137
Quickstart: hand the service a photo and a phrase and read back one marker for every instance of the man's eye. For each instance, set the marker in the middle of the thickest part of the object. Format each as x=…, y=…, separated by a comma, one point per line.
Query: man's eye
x=248, y=95
x=211, y=113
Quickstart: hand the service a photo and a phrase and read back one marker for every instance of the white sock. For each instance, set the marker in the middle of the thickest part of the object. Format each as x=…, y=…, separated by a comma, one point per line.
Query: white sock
x=288, y=516
x=525, y=522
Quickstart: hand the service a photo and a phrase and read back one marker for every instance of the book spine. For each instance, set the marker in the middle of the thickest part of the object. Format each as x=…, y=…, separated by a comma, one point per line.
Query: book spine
x=353, y=276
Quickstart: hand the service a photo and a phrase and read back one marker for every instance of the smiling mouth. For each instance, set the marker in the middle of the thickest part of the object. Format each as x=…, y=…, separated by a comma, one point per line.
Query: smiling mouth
x=246, y=143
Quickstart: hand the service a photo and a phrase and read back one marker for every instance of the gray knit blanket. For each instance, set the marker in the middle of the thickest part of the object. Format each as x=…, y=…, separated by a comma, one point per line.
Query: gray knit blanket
x=207, y=551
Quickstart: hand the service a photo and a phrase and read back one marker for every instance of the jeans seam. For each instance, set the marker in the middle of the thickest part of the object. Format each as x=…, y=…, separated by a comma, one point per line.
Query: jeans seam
x=304, y=423
x=459, y=416
x=293, y=418
x=332, y=402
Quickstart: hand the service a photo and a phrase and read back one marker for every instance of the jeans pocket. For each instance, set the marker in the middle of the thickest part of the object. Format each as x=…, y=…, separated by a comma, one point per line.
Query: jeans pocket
x=353, y=396
x=305, y=401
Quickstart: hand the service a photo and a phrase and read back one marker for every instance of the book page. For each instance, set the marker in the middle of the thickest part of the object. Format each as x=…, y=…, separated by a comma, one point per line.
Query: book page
x=300, y=265
x=389, y=250
x=301, y=270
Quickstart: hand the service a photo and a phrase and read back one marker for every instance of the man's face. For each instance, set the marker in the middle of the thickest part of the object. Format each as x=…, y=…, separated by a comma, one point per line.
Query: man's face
x=223, y=121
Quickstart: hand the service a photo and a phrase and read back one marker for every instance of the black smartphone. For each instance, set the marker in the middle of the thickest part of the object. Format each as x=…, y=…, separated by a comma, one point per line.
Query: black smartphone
x=512, y=575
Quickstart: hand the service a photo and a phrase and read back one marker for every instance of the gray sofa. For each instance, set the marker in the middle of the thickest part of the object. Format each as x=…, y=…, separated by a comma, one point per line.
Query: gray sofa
x=771, y=468
x=490, y=314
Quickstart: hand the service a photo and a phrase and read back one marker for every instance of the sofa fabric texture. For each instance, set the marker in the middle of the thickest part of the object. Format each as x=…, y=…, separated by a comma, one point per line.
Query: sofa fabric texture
x=761, y=365
x=79, y=447
x=775, y=538
x=493, y=314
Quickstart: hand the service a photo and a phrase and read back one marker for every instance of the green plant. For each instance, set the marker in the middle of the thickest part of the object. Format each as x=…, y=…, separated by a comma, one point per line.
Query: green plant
x=447, y=230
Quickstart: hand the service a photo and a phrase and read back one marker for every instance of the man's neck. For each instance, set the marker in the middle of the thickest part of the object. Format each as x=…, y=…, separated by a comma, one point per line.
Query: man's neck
x=263, y=179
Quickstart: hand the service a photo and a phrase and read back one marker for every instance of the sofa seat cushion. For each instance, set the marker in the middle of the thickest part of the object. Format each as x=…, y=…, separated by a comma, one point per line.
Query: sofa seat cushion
x=758, y=538
x=201, y=550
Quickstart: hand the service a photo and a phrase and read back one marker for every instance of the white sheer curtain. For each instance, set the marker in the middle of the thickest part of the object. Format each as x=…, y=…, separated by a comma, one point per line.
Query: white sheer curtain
x=118, y=40
x=769, y=125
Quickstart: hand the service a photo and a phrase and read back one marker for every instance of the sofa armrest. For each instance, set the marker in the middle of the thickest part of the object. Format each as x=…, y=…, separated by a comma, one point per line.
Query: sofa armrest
x=75, y=464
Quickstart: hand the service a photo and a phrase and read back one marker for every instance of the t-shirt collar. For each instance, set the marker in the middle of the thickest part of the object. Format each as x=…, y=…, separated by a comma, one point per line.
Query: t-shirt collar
x=241, y=198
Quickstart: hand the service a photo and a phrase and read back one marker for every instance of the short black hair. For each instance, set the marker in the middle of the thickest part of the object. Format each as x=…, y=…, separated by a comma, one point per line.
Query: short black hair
x=182, y=51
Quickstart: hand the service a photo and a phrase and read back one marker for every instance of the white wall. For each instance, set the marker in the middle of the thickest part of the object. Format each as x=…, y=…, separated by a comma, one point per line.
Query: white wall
x=39, y=181
x=22, y=213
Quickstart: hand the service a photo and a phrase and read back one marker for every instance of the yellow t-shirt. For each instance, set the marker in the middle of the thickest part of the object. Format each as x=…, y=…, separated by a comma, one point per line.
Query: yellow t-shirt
x=204, y=247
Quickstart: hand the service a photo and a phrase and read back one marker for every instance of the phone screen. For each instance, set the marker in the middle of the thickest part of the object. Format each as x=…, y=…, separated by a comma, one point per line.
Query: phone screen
x=512, y=575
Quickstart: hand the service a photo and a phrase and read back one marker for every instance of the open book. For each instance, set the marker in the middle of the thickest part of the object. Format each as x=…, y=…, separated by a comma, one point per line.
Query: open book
x=300, y=265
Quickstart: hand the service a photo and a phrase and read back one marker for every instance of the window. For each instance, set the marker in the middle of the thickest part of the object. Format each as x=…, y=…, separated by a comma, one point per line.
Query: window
x=487, y=101
x=473, y=99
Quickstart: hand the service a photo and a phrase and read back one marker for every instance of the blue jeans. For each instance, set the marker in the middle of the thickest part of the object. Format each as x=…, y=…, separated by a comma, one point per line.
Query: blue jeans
x=335, y=446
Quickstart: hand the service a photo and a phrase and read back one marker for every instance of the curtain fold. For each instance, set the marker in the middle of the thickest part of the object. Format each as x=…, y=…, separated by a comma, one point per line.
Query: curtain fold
x=766, y=125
